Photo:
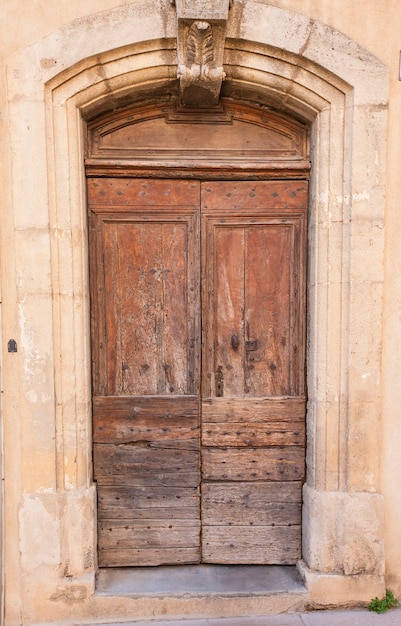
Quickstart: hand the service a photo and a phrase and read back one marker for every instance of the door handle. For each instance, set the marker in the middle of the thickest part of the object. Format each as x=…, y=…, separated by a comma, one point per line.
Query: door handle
x=235, y=342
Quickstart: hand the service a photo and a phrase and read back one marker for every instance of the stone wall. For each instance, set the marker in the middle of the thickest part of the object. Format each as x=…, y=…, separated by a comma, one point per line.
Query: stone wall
x=335, y=65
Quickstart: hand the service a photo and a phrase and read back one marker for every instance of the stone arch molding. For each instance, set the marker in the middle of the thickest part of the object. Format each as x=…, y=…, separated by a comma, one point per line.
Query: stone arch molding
x=272, y=57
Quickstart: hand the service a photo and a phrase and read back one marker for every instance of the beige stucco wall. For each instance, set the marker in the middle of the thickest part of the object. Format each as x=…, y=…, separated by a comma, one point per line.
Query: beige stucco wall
x=47, y=487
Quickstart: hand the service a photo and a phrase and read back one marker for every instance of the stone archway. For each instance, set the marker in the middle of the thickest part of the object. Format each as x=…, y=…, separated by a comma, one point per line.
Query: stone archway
x=272, y=58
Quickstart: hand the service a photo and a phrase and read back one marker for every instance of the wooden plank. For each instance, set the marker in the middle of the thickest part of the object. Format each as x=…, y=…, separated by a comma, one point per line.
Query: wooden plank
x=237, y=410
x=253, y=504
x=227, y=310
x=258, y=306
x=126, y=464
x=116, y=502
x=178, y=168
x=142, y=192
x=268, y=294
x=149, y=533
x=227, y=196
x=98, y=305
x=250, y=464
x=143, y=507
x=222, y=136
x=125, y=557
x=258, y=434
x=133, y=499
x=138, y=502
x=132, y=262
x=148, y=335
x=181, y=324
x=156, y=540
x=162, y=421
x=242, y=545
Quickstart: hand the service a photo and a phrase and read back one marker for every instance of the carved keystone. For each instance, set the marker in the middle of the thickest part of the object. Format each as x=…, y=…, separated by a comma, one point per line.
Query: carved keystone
x=201, y=33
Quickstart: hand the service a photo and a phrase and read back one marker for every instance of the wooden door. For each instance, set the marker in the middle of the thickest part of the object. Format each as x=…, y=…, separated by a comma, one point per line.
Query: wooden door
x=253, y=408
x=167, y=494
x=145, y=338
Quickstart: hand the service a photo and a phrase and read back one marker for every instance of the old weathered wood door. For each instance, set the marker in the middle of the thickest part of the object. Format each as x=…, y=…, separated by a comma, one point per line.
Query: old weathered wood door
x=198, y=324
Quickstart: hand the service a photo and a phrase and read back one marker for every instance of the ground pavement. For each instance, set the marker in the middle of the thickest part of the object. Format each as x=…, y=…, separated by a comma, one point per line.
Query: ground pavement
x=357, y=617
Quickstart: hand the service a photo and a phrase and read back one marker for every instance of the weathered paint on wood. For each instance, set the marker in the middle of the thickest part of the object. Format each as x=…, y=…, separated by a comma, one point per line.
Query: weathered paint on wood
x=156, y=421
x=146, y=324
x=234, y=464
x=239, y=435
x=236, y=141
x=287, y=408
x=127, y=464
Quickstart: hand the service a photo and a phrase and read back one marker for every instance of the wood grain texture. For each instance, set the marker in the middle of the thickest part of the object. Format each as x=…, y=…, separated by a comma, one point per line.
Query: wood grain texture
x=149, y=463
x=237, y=134
x=146, y=273
x=148, y=541
x=134, y=193
x=251, y=504
x=237, y=410
x=165, y=422
x=258, y=197
x=126, y=557
x=157, y=503
x=156, y=519
x=254, y=434
x=253, y=293
x=127, y=464
x=260, y=545
x=251, y=464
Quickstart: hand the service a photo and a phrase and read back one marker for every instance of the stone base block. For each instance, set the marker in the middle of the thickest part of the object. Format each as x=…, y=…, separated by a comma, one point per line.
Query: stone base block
x=327, y=590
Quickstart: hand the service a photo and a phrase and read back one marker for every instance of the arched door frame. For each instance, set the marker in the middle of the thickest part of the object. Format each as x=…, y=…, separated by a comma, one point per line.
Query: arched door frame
x=310, y=72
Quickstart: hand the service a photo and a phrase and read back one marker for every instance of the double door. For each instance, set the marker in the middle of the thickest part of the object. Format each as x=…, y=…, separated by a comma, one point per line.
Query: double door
x=198, y=325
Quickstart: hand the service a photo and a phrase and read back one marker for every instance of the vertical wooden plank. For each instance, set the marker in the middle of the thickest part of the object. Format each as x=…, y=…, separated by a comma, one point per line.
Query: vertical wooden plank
x=267, y=310
x=97, y=309
x=228, y=308
x=132, y=275
x=173, y=359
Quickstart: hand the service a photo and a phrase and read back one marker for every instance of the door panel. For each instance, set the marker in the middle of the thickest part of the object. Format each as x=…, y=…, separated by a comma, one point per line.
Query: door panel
x=150, y=448
x=146, y=354
x=253, y=407
x=145, y=296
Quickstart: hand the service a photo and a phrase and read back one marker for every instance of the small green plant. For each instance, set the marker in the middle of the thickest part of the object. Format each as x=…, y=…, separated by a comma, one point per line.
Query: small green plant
x=381, y=606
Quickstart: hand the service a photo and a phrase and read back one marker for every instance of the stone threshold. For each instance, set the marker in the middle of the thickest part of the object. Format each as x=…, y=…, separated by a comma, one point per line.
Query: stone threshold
x=199, y=580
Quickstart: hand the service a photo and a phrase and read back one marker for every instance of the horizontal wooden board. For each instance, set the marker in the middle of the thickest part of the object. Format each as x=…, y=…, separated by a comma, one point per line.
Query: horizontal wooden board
x=259, y=545
x=251, y=504
x=235, y=464
x=132, y=192
x=116, y=502
x=149, y=533
x=163, y=422
x=125, y=464
x=259, y=195
x=254, y=434
x=162, y=497
x=126, y=557
x=157, y=539
x=286, y=409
